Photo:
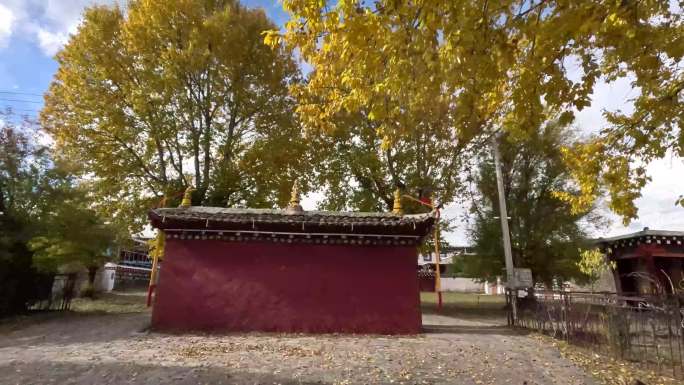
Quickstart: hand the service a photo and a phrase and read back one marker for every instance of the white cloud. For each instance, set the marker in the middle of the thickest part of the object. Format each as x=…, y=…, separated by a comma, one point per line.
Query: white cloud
x=60, y=19
x=657, y=210
x=47, y=22
x=51, y=42
x=7, y=19
x=613, y=97
x=656, y=205
x=64, y=14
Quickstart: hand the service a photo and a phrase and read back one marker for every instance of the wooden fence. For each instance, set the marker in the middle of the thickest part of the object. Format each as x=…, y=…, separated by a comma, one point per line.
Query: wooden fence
x=648, y=331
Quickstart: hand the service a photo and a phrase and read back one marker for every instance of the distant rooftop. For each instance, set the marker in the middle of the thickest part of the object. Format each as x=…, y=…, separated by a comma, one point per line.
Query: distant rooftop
x=646, y=233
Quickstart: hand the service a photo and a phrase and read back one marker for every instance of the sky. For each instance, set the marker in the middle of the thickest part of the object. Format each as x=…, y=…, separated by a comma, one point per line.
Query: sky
x=32, y=31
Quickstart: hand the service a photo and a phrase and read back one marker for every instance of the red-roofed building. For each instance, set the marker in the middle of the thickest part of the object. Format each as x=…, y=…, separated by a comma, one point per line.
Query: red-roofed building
x=648, y=261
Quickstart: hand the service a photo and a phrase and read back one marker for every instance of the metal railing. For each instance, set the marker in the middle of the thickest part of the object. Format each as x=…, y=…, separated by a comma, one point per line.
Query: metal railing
x=645, y=330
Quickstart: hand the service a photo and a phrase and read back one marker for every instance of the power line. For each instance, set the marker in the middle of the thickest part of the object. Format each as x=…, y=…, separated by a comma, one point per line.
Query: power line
x=19, y=112
x=19, y=93
x=20, y=100
x=19, y=109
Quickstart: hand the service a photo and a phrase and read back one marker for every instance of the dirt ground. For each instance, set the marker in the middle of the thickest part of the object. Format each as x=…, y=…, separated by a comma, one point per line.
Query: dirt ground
x=107, y=342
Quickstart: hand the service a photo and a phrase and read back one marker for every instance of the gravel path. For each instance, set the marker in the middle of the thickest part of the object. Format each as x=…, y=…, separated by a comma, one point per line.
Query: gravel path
x=81, y=348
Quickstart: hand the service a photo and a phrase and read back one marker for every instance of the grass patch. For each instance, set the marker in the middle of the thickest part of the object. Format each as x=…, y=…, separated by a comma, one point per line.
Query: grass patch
x=465, y=305
x=123, y=302
x=465, y=300
x=104, y=303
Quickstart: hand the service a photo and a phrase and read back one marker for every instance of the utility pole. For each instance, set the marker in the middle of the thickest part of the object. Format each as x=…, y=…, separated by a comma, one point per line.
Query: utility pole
x=503, y=214
x=426, y=201
x=438, y=255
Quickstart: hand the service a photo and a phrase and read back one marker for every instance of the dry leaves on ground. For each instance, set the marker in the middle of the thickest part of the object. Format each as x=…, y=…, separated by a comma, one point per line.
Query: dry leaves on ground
x=606, y=369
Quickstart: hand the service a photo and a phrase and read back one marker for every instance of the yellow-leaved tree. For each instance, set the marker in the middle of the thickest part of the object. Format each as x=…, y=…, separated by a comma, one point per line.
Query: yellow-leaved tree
x=481, y=66
x=166, y=94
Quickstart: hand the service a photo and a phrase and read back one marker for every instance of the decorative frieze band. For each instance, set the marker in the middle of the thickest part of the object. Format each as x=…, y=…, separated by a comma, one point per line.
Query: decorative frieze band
x=301, y=238
x=649, y=239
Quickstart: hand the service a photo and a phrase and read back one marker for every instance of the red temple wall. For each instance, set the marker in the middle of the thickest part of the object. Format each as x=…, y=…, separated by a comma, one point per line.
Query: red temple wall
x=226, y=286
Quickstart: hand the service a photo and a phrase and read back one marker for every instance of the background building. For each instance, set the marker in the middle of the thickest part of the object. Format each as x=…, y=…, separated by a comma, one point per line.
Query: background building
x=647, y=262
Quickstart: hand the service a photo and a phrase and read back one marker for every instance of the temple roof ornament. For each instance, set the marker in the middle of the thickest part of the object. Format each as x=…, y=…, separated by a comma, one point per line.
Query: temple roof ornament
x=294, y=206
x=187, y=197
x=397, y=208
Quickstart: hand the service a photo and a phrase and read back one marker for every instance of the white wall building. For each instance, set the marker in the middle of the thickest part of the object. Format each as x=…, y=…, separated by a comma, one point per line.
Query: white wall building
x=458, y=284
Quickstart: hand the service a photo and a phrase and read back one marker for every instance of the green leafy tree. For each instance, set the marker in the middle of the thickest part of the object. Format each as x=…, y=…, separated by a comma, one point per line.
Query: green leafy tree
x=357, y=172
x=456, y=267
x=593, y=263
x=173, y=93
x=18, y=172
x=45, y=218
x=69, y=234
x=546, y=235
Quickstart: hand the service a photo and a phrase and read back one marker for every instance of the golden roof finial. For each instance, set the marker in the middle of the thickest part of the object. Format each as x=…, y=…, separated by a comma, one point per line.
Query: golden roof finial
x=294, y=198
x=187, y=197
x=397, y=208
x=157, y=245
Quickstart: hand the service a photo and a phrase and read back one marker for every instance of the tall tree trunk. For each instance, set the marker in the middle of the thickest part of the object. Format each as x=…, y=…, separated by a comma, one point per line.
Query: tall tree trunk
x=89, y=291
x=92, y=271
x=2, y=201
x=206, y=148
x=196, y=157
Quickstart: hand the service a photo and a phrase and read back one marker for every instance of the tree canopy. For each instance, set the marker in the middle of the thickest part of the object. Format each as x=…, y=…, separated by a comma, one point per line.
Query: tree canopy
x=547, y=236
x=47, y=222
x=484, y=66
x=355, y=171
x=593, y=263
x=17, y=174
x=176, y=93
x=69, y=233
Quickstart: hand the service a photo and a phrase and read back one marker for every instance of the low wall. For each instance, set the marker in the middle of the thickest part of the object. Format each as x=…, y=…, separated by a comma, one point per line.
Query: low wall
x=462, y=285
x=459, y=285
